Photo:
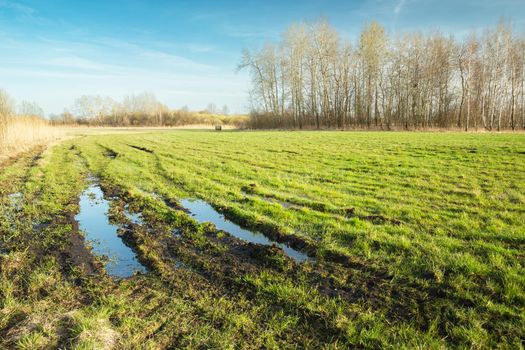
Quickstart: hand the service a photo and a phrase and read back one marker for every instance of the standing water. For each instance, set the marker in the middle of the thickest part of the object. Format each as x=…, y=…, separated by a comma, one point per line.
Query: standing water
x=135, y=218
x=93, y=221
x=203, y=212
x=15, y=200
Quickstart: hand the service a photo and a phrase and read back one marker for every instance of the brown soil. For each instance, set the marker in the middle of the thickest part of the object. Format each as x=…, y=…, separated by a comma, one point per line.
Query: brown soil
x=143, y=149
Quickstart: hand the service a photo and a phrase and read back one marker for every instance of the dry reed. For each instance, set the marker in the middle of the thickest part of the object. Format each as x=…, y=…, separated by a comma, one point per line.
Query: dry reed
x=20, y=133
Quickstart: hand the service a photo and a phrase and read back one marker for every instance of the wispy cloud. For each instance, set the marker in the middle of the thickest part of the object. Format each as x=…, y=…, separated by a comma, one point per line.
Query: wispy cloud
x=174, y=60
x=80, y=63
x=23, y=9
x=207, y=16
x=26, y=72
x=200, y=48
x=158, y=56
x=238, y=31
x=399, y=7
x=21, y=12
x=114, y=66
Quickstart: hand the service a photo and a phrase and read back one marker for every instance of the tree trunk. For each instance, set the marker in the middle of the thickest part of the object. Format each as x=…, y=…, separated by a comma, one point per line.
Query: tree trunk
x=468, y=111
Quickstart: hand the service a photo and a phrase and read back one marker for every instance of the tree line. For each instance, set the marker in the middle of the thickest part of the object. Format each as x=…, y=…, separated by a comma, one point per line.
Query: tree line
x=139, y=110
x=312, y=78
x=142, y=109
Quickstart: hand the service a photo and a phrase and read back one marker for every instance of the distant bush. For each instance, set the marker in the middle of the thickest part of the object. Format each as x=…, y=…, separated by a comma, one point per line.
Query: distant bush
x=172, y=118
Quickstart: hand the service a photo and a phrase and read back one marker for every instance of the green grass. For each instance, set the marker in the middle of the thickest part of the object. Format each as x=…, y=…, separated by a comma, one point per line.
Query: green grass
x=418, y=240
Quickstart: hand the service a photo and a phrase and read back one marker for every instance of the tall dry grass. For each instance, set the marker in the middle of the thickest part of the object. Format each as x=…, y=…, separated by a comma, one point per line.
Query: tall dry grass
x=21, y=133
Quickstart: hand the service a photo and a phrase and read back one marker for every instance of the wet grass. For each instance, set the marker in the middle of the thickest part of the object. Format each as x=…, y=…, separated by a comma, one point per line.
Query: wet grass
x=416, y=241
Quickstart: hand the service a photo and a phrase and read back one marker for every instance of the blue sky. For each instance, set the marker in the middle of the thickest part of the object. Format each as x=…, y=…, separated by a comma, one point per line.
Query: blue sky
x=185, y=52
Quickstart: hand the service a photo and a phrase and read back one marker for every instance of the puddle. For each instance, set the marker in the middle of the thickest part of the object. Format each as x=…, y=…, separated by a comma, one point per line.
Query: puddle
x=102, y=235
x=283, y=204
x=135, y=218
x=15, y=200
x=203, y=212
x=180, y=265
x=13, y=197
x=11, y=209
x=110, y=153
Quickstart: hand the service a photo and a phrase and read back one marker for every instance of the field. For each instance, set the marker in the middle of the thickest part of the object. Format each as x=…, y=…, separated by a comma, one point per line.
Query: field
x=391, y=240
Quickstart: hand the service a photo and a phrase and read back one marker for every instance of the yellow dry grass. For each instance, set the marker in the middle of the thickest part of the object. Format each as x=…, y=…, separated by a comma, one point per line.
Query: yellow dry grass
x=20, y=133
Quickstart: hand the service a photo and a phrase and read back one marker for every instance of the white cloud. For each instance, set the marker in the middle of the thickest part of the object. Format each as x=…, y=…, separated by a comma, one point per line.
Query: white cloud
x=200, y=48
x=174, y=60
x=76, y=62
x=37, y=73
x=399, y=7
x=53, y=70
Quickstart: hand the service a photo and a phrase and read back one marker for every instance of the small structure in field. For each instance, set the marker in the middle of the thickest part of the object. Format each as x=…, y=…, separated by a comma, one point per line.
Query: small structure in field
x=218, y=127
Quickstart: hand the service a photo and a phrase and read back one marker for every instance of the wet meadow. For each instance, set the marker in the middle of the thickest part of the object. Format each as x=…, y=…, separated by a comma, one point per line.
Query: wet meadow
x=244, y=239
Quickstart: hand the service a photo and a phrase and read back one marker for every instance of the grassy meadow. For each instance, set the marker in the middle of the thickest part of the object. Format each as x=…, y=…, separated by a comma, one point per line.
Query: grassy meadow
x=416, y=241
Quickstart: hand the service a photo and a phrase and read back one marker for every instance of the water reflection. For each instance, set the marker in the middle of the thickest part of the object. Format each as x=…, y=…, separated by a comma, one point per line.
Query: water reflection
x=203, y=212
x=93, y=221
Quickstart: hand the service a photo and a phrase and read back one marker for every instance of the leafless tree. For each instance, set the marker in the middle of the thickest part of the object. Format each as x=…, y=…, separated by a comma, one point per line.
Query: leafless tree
x=311, y=78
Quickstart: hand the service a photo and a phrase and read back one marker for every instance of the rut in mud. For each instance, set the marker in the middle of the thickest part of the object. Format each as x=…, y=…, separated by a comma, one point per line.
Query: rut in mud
x=103, y=235
x=188, y=250
x=221, y=259
x=204, y=212
x=140, y=148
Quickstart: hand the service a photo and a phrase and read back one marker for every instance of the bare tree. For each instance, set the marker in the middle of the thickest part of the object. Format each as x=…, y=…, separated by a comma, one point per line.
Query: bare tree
x=312, y=78
x=371, y=51
x=30, y=109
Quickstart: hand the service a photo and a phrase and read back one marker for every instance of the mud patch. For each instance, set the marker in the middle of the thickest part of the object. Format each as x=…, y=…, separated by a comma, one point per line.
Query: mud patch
x=203, y=212
x=76, y=254
x=109, y=153
x=102, y=235
x=380, y=220
x=143, y=149
x=374, y=219
x=284, y=204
